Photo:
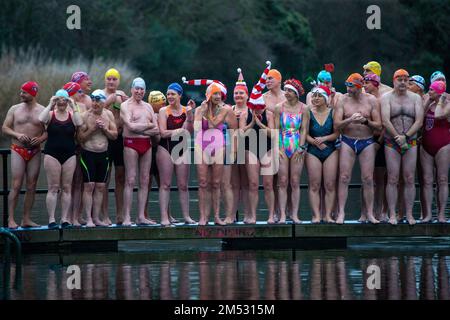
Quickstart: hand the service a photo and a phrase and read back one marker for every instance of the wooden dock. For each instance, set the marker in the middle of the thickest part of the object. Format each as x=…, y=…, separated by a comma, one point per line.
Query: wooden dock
x=236, y=236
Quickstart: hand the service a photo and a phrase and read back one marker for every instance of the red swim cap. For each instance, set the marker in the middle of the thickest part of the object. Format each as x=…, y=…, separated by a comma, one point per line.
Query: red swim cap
x=30, y=87
x=72, y=88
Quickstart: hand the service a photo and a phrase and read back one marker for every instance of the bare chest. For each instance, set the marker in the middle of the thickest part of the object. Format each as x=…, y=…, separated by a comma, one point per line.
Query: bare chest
x=351, y=107
x=402, y=107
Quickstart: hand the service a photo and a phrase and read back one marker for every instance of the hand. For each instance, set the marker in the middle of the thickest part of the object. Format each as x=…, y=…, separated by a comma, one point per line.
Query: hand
x=319, y=140
x=298, y=156
x=191, y=105
x=100, y=123
x=111, y=99
x=322, y=146
x=204, y=106
x=24, y=139
x=123, y=97
x=35, y=141
x=443, y=98
x=400, y=139
x=53, y=102
x=356, y=117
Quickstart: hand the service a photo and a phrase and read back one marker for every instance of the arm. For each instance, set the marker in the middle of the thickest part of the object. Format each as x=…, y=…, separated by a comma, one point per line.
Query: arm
x=84, y=132
x=442, y=108
x=189, y=123
x=304, y=130
x=8, y=130
x=419, y=117
x=155, y=130
x=110, y=131
x=44, y=116
x=375, y=121
x=76, y=116
x=220, y=118
x=162, y=119
x=386, y=115
x=139, y=128
x=338, y=118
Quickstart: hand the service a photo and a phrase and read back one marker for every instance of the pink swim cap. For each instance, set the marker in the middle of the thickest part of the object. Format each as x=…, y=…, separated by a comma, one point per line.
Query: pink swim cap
x=438, y=86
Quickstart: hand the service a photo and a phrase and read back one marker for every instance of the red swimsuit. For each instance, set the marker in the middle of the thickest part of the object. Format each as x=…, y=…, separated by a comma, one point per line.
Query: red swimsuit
x=436, y=133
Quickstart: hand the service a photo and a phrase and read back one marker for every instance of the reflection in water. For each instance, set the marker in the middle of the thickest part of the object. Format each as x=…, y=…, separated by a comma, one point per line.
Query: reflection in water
x=237, y=275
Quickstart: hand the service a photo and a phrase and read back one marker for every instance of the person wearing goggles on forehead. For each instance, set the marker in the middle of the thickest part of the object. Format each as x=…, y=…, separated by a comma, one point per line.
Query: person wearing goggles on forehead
x=373, y=67
x=324, y=78
x=402, y=114
x=85, y=82
x=61, y=119
x=27, y=132
x=98, y=128
x=139, y=123
x=114, y=98
x=357, y=116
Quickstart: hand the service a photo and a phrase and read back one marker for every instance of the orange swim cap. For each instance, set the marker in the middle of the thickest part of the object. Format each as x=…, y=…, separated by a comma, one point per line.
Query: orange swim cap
x=355, y=79
x=401, y=73
x=274, y=73
x=212, y=88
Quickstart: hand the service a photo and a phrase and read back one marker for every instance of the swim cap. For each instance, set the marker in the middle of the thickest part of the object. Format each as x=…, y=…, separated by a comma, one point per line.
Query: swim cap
x=72, y=88
x=274, y=73
x=323, y=90
x=375, y=79
x=175, y=87
x=212, y=89
x=355, y=79
x=294, y=85
x=438, y=86
x=373, y=66
x=324, y=76
x=31, y=88
x=401, y=73
x=419, y=80
x=437, y=75
x=98, y=95
x=138, y=83
x=112, y=73
x=156, y=98
x=62, y=93
x=79, y=76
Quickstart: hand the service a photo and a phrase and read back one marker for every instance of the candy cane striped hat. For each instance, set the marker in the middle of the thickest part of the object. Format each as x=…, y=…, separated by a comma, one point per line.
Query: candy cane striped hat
x=207, y=82
x=256, y=101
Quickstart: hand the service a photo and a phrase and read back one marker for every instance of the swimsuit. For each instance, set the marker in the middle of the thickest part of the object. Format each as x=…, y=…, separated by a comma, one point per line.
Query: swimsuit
x=94, y=165
x=389, y=142
x=290, y=132
x=140, y=145
x=61, y=139
x=436, y=133
x=317, y=130
x=115, y=151
x=173, y=123
x=26, y=153
x=358, y=145
x=256, y=128
x=211, y=138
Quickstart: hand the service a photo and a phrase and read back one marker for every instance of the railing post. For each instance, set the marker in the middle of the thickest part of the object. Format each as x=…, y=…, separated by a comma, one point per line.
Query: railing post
x=5, y=189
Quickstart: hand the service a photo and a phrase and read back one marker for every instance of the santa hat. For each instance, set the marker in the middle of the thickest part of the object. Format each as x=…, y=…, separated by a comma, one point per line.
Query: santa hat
x=322, y=90
x=240, y=83
x=207, y=82
x=256, y=101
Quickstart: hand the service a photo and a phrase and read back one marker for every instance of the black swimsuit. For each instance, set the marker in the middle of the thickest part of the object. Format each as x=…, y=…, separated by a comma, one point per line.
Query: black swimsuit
x=173, y=123
x=61, y=139
x=257, y=128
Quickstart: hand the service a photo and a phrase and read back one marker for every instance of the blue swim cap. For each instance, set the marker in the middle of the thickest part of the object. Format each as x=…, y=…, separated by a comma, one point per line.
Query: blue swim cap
x=419, y=80
x=62, y=93
x=98, y=95
x=175, y=87
x=138, y=83
x=324, y=76
x=436, y=76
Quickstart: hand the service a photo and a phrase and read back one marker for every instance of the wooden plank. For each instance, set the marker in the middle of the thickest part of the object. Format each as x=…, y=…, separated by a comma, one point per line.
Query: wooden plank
x=37, y=235
x=356, y=229
x=178, y=232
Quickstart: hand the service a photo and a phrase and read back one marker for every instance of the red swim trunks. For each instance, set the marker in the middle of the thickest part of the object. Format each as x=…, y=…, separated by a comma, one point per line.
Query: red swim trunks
x=25, y=153
x=140, y=145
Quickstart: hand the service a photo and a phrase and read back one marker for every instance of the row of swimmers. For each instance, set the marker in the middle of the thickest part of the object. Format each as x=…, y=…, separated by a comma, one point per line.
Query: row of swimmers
x=387, y=129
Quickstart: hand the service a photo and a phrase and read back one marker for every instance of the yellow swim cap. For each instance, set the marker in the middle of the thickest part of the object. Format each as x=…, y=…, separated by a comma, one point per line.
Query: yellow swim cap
x=373, y=66
x=156, y=98
x=112, y=73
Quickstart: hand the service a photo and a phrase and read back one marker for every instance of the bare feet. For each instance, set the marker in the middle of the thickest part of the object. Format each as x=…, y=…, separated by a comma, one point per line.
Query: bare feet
x=411, y=220
x=219, y=221
x=100, y=223
x=29, y=224
x=372, y=219
x=442, y=219
x=90, y=224
x=126, y=223
x=315, y=220
x=202, y=222
x=340, y=219
x=229, y=220
x=426, y=219
x=173, y=220
x=363, y=218
x=393, y=221
x=271, y=221
x=329, y=220
x=165, y=223
x=189, y=220
x=12, y=224
x=107, y=221
x=296, y=220
x=282, y=220
x=144, y=221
